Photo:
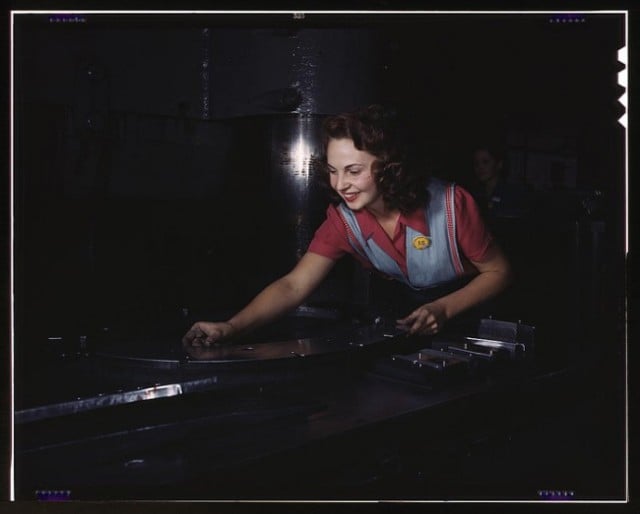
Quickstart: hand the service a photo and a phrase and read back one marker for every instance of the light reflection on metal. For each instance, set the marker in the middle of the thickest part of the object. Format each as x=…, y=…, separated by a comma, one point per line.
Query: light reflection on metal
x=296, y=188
x=344, y=340
x=99, y=401
x=304, y=68
x=301, y=158
x=204, y=75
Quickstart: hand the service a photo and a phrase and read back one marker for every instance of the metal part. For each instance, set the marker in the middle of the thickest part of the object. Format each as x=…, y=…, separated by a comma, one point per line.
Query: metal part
x=512, y=348
x=317, y=312
x=340, y=343
x=506, y=332
x=426, y=366
x=175, y=369
x=94, y=402
x=495, y=340
x=472, y=350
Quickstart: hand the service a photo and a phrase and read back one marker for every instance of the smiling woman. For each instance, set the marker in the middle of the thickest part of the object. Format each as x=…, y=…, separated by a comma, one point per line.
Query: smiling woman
x=375, y=131
x=426, y=235
x=352, y=177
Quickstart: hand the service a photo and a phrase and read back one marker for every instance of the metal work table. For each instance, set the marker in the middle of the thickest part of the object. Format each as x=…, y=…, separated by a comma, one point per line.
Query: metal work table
x=340, y=428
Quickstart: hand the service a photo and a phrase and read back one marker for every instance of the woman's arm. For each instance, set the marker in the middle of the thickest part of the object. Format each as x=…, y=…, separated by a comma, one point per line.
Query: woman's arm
x=494, y=276
x=277, y=298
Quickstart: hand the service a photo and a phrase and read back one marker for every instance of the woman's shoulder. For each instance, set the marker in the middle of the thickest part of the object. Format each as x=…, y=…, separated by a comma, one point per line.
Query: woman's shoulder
x=334, y=218
x=467, y=203
x=461, y=192
x=332, y=211
x=442, y=183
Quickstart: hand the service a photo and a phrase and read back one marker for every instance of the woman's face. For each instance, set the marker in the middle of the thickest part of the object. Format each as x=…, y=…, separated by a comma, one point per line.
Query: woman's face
x=485, y=166
x=351, y=175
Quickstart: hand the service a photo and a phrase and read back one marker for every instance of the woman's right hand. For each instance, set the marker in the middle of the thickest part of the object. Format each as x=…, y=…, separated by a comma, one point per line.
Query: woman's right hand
x=274, y=300
x=206, y=333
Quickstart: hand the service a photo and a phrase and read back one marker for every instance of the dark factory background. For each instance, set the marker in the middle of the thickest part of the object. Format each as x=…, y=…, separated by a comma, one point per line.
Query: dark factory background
x=166, y=166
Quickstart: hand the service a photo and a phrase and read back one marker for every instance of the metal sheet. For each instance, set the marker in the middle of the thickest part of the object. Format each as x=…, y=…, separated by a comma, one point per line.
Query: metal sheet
x=171, y=369
x=156, y=352
x=95, y=402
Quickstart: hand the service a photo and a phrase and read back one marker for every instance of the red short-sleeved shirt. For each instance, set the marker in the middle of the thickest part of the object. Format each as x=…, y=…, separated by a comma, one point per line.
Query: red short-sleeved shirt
x=474, y=238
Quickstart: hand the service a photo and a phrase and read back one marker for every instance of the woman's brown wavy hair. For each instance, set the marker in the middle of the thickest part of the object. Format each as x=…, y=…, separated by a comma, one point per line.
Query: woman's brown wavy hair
x=374, y=130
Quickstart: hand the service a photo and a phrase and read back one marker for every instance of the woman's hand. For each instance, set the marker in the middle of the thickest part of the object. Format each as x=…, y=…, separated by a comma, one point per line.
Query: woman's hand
x=207, y=333
x=274, y=300
x=425, y=320
x=494, y=275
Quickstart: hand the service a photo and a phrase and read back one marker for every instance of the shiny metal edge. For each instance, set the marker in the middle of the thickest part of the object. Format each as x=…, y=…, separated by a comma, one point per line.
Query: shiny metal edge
x=96, y=402
x=492, y=343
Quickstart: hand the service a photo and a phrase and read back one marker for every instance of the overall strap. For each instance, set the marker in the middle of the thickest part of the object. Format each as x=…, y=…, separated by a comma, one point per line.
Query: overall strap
x=368, y=249
x=440, y=261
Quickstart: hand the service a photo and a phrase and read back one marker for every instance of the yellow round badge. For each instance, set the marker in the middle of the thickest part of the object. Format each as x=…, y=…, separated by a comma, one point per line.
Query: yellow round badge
x=421, y=242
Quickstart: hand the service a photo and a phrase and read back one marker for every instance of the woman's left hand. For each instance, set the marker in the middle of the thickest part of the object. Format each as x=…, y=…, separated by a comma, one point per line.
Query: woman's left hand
x=425, y=320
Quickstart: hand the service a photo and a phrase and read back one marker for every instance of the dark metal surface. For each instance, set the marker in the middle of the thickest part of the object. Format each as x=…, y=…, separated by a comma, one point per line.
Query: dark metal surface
x=96, y=402
x=341, y=342
x=506, y=331
x=122, y=371
x=163, y=353
x=330, y=432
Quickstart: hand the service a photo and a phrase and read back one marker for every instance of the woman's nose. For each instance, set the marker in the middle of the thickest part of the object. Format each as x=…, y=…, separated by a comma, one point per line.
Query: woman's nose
x=340, y=181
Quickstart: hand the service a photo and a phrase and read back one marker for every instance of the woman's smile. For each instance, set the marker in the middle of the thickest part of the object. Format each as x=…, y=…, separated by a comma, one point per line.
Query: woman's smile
x=350, y=197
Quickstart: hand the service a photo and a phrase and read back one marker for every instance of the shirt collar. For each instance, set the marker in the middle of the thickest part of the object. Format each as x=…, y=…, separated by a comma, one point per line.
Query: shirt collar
x=415, y=219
